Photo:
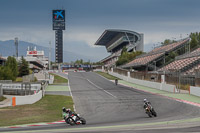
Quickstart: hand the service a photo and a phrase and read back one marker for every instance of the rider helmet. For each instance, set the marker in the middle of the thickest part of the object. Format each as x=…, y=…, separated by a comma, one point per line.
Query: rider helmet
x=145, y=100
x=68, y=110
x=64, y=109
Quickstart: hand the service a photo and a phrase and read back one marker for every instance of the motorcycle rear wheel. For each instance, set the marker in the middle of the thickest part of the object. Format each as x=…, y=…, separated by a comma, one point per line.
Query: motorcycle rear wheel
x=149, y=114
x=71, y=122
x=154, y=113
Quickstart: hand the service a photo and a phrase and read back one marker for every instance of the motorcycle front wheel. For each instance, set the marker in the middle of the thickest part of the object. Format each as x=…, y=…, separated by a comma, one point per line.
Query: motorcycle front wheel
x=83, y=121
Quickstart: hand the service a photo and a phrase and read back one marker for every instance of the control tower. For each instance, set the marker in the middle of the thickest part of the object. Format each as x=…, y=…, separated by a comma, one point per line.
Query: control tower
x=58, y=26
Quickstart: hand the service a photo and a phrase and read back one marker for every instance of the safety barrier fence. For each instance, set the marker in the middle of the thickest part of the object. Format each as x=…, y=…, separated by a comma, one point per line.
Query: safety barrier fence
x=156, y=85
x=29, y=99
x=195, y=90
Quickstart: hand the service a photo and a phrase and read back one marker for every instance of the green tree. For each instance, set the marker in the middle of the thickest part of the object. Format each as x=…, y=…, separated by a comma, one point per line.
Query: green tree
x=167, y=41
x=10, y=70
x=127, y=57
x=171, y=57
x=23, y=67
x=1, y=72
x=195, y=40
x=12, y=64
x=6, y=73
x=124, y=50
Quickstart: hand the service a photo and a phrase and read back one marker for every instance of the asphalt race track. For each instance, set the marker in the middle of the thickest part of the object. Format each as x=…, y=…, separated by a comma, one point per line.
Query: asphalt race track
x=111, y=108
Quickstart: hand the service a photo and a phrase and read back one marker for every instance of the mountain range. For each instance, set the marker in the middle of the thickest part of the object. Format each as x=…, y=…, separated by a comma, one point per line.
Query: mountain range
x=74, y=52
x=7, y=48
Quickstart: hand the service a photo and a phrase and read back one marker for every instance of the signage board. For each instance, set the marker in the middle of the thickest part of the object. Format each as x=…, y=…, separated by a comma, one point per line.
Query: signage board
x=58, y=19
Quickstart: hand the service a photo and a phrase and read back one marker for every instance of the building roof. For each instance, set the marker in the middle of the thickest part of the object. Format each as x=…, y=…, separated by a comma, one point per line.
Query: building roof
x=144, y=60
x=110, y=34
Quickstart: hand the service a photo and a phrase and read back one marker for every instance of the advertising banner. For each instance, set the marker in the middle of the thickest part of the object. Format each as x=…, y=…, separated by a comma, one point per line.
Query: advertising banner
x=58, y=19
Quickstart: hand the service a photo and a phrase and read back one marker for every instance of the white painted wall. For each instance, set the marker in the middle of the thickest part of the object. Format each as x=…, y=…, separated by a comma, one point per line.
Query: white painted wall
x=28, y=99
x=195, y=90
x=155, y=85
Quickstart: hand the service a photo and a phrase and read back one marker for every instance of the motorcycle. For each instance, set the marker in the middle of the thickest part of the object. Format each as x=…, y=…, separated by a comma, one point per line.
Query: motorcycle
x=150, y=111
x=75, y=120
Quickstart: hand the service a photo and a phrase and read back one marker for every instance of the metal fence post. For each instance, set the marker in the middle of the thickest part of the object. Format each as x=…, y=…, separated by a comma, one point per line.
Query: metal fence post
x=22, y=88
x=179, y=80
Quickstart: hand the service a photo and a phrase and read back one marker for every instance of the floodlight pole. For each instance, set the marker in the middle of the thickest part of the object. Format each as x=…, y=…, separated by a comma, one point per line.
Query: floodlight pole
x=16, y=45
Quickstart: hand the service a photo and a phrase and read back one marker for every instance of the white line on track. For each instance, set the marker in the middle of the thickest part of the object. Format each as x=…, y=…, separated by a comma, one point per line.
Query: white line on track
x=69, y=90
x=101, y=88
x=71, y=95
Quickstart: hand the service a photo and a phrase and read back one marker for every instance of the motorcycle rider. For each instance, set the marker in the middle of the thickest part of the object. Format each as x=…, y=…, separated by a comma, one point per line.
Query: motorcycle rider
x=146, y=103
x=64, y=113
x=67, y=113
x=116, y=81
x=70, y=113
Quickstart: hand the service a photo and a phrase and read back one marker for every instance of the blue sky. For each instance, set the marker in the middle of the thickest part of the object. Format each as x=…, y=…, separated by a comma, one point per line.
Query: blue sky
x=31, y=20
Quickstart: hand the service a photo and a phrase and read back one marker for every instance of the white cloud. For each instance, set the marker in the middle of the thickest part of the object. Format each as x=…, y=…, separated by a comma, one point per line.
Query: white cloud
x=88, y=37
x=43, y=36
x=40, y=37
x=157, y=37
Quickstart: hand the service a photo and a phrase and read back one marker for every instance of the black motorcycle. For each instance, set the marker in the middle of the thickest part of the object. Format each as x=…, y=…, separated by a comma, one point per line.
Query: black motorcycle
x=150, y=111
x=75, y=120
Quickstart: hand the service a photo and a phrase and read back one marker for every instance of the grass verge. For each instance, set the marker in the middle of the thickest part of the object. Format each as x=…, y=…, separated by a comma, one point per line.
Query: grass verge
x=108, y=76
x=19, y=79
x=2, y=98
x=58, y=79
x=48, y=109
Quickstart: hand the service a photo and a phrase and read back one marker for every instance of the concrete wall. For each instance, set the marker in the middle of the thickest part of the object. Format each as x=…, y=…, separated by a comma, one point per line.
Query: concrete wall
x=195, y=90
x=155, y=85
x=28, y=99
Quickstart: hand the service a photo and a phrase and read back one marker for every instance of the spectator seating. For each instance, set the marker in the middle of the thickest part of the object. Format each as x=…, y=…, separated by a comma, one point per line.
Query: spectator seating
x=155, y=54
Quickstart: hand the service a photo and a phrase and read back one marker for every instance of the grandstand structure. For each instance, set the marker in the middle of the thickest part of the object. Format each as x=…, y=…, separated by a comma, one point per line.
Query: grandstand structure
x=155, y=59
x=36, y=59
x=114, y=40
x=187, y=64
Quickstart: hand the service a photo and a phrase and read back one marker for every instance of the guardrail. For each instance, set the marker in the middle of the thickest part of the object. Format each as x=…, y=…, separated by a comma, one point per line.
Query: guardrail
x=5, y=81
x=19, y=86
x=160, y=86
